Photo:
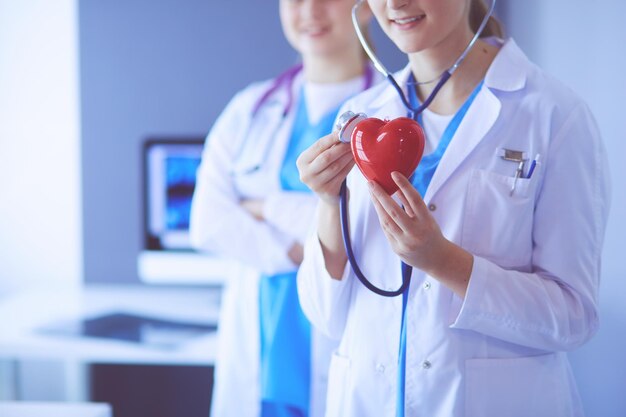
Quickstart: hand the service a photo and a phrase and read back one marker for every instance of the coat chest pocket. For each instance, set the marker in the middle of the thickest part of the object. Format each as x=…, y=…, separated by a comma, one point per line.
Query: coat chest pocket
x=497, y=225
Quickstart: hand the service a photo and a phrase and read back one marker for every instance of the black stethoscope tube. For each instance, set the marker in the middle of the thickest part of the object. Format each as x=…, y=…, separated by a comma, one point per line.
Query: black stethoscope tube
x=414, y=112
x=345, y=229
x=343, y=200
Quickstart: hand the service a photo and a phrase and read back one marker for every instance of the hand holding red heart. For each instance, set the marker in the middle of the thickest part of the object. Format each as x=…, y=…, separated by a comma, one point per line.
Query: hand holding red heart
x=412, y=232
x=324, y=166
x=378, y=147
x=416, y=237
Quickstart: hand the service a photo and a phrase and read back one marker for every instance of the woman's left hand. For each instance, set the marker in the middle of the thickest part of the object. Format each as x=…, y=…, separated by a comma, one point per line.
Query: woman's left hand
x=416, y=237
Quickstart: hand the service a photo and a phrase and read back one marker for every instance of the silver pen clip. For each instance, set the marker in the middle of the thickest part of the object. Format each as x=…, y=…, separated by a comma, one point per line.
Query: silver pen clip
x=514, y=156
x=518, y=173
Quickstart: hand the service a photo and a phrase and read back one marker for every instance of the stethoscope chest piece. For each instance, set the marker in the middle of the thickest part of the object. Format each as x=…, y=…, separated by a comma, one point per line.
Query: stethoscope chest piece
x=347, y=123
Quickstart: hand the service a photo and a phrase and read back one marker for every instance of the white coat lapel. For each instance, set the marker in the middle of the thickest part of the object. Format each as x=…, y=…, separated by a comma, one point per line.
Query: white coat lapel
x=262, y=133
x=479, y=119
x=507, y=73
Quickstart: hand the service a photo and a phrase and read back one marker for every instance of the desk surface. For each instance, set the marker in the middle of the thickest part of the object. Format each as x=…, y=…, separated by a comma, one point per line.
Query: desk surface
x=23, y=313
x=54, y=409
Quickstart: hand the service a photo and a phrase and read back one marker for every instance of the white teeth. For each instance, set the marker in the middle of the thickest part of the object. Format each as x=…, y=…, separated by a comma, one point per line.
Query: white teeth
x=407, y=20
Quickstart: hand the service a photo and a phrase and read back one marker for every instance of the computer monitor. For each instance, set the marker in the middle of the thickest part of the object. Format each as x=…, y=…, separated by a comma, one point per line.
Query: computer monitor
x=169, y=179
x=170, y=167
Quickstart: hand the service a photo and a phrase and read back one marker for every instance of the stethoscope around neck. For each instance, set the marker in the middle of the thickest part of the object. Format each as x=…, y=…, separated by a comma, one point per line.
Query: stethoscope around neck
x=348, y=120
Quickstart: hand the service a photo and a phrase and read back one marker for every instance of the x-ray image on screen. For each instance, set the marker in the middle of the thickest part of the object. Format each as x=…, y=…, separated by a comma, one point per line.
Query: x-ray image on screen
x=169, y=182
x=181, y=180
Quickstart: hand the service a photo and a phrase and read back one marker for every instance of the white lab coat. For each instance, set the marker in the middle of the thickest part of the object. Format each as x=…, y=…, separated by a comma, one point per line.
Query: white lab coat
x=242, y=159
x=533, y=290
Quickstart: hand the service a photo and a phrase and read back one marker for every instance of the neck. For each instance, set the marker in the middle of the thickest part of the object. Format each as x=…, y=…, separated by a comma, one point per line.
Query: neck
x=333, y=69
x=430, y=64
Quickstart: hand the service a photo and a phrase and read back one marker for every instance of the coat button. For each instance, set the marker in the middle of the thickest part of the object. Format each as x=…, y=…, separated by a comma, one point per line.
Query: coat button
x=426, y=365
x=432, y=207
x=426, y=286
x=380, y=368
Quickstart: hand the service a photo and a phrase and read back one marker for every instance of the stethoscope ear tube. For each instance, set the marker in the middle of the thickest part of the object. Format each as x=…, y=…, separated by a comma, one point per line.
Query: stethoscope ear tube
x=345, y=229
x=444, y=76
x=359, y=33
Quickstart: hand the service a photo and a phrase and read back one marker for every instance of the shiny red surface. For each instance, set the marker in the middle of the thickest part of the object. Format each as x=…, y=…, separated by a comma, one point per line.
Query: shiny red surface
x=381, y=147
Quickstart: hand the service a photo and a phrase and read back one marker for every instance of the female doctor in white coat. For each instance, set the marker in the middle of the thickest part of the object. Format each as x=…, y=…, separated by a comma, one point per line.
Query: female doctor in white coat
x=506, y=264
x=250, y=206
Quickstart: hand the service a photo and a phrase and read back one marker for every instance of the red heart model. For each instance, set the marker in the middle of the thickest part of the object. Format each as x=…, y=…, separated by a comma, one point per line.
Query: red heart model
x=381, y=147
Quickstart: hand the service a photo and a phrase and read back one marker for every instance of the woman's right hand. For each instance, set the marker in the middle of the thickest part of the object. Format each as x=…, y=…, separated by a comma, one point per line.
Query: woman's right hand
x=325, y=165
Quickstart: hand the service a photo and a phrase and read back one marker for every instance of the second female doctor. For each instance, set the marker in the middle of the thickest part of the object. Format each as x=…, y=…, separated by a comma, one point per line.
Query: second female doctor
x=505, y=257
x=250, y=206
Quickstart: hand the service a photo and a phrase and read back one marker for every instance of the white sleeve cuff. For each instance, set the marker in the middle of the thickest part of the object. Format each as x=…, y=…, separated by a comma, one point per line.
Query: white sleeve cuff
x=468, y=308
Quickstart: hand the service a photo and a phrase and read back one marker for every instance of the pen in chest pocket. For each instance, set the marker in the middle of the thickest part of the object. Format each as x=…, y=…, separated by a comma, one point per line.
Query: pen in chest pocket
x=518, y=174
x=533, y=165
x=514, y=156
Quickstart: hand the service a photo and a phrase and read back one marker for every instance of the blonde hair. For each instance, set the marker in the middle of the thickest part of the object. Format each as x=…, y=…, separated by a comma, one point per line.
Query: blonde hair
x=494, y=27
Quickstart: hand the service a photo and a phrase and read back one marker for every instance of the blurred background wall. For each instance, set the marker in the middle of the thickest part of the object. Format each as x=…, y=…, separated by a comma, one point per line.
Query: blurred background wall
x=40, y=177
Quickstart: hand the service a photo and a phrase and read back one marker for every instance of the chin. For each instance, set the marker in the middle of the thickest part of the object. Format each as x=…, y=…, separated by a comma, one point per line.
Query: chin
x=408, y=45
x=322, y=48
x=314, y=50
x=409, y=48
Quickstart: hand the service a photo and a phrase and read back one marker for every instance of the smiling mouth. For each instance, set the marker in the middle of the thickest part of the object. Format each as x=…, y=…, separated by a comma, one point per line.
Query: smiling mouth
x=408, y=20
x=315, y=31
